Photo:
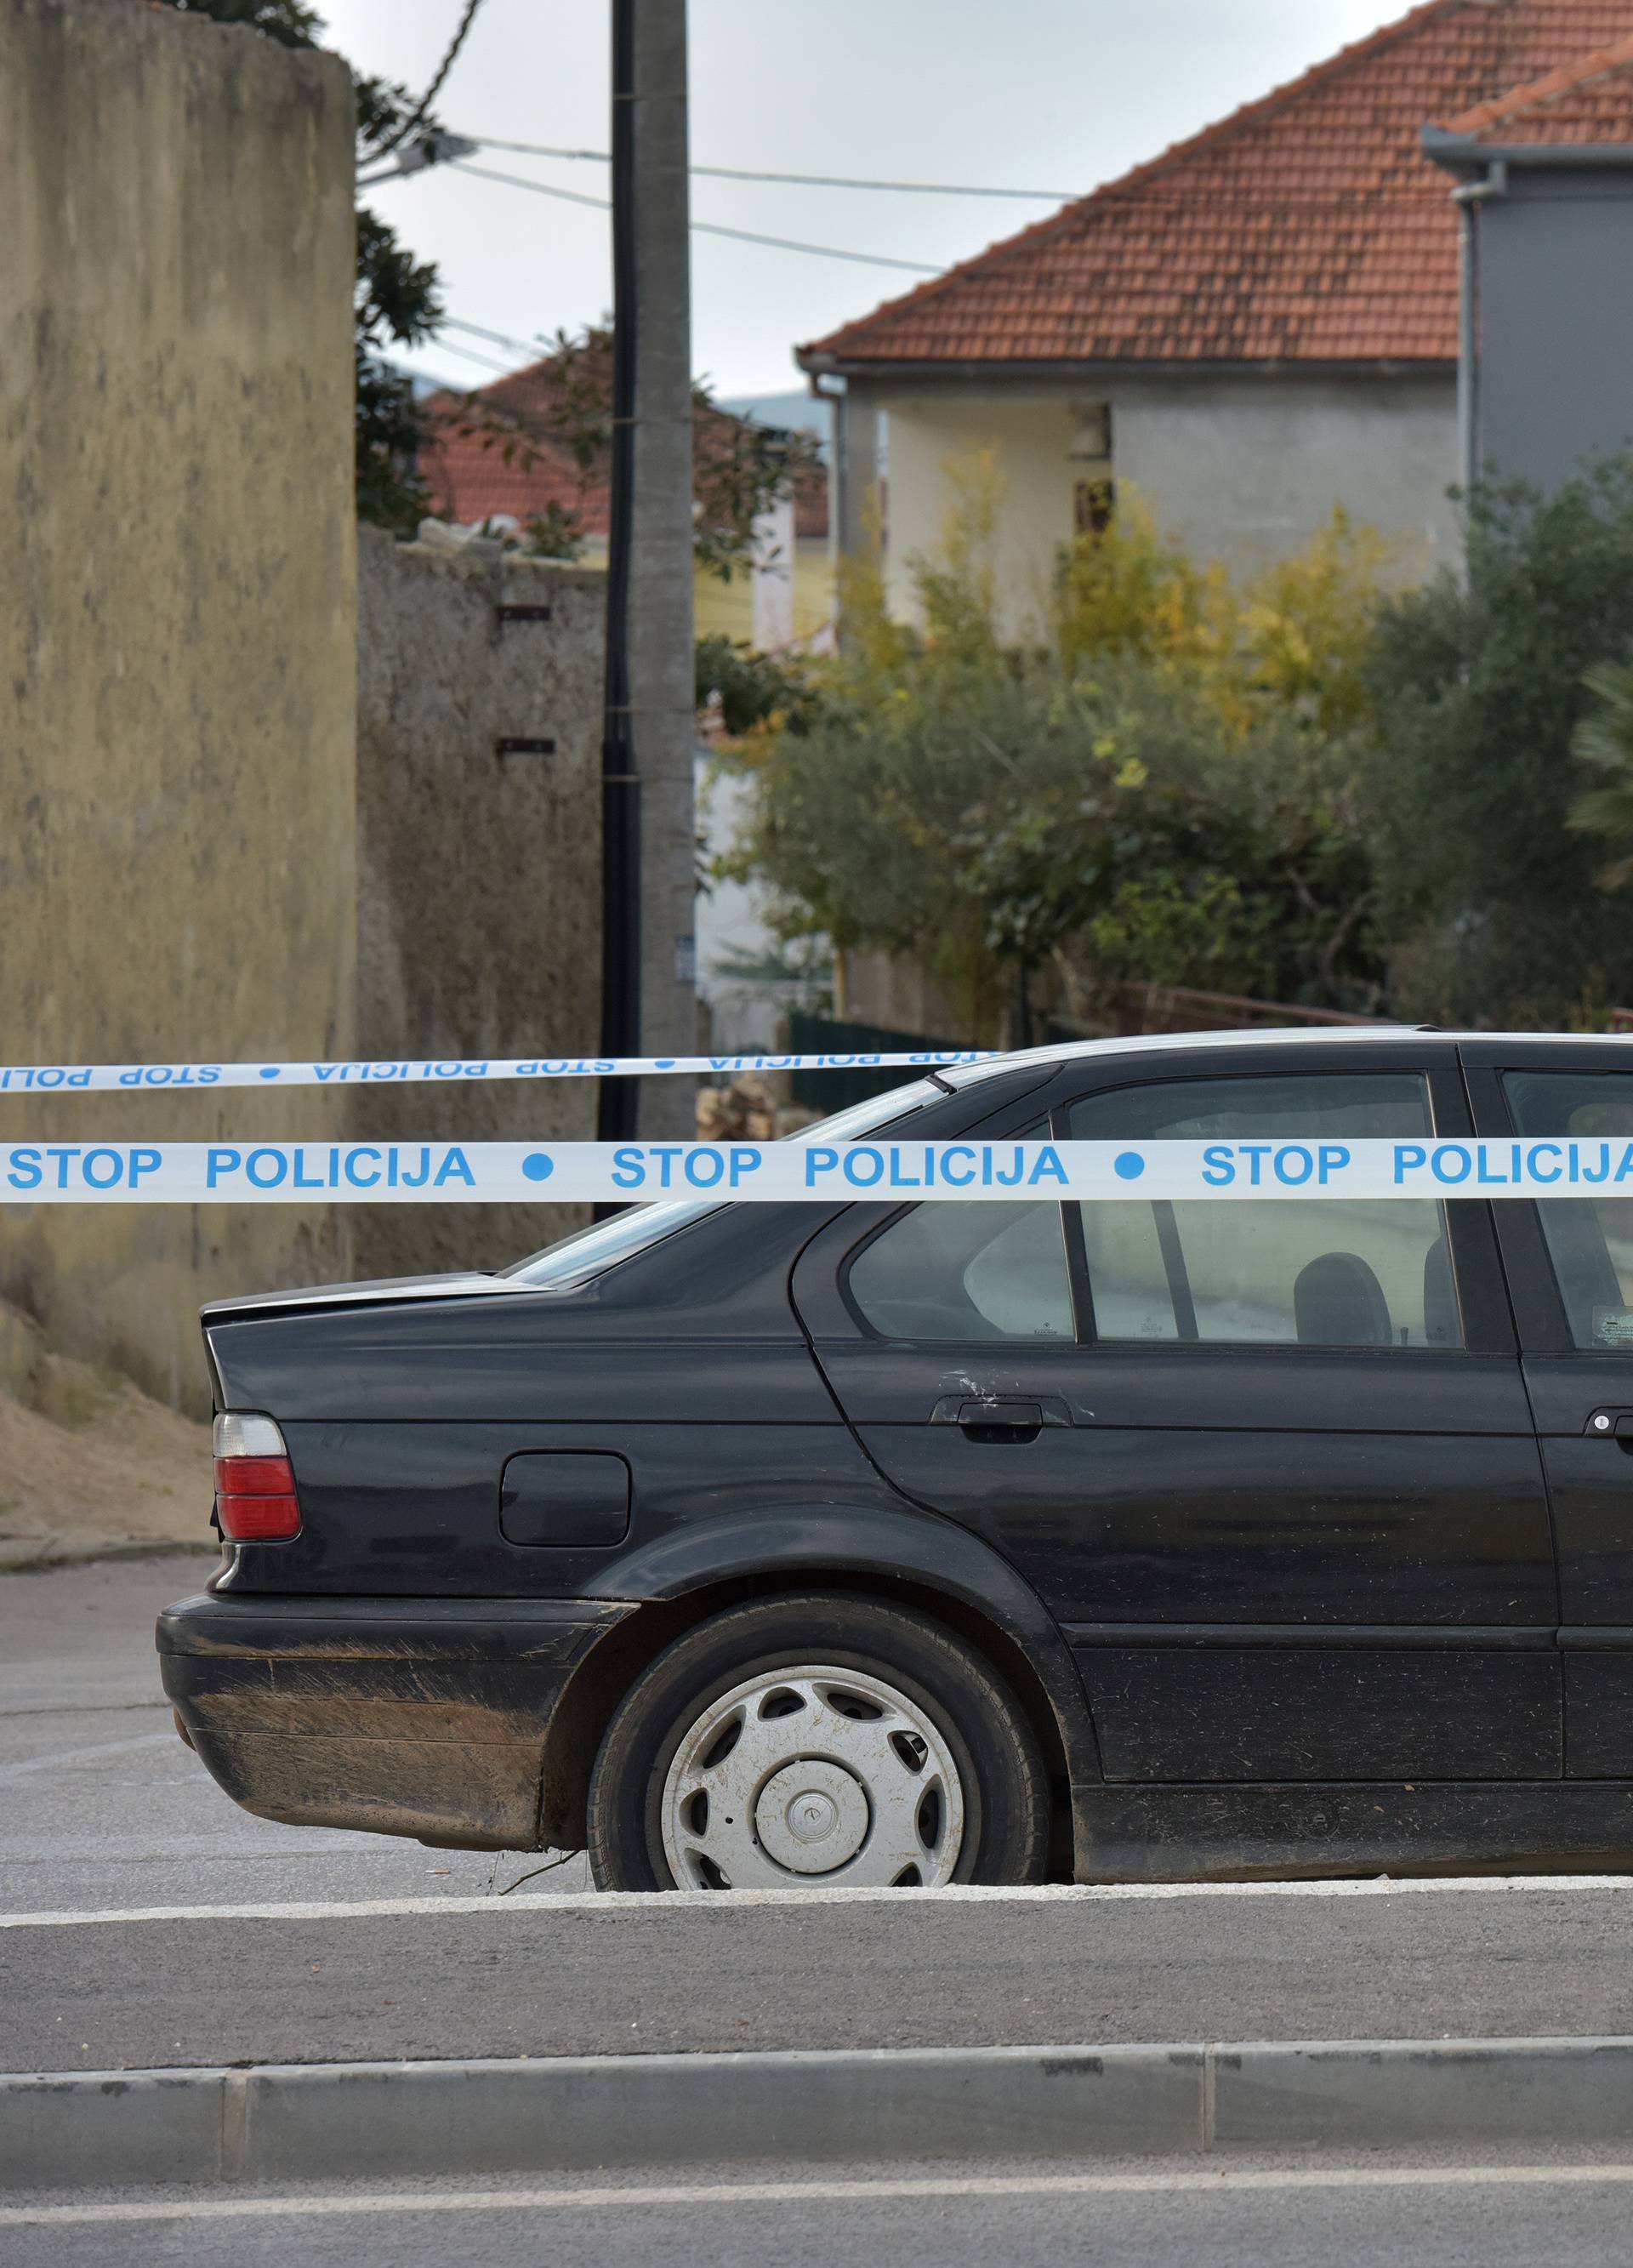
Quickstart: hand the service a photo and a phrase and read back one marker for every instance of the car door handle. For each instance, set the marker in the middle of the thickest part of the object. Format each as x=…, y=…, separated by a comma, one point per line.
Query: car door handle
x=1025, y=1414
x=998, y=1422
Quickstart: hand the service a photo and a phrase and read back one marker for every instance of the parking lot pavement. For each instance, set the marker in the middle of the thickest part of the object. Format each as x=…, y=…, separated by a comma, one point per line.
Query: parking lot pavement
x=100, y=1804
x=1458, y=2213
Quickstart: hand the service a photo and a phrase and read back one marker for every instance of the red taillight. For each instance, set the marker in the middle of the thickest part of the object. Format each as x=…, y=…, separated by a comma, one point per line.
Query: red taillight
x=258, y=1518
x=254, y=1475
x=255, y=1498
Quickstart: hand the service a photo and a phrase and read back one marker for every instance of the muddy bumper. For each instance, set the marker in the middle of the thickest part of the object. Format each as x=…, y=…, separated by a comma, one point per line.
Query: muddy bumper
x=398, y=1716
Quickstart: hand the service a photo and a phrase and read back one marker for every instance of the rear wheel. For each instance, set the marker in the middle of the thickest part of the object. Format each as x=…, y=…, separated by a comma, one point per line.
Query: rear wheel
x=817, y=1742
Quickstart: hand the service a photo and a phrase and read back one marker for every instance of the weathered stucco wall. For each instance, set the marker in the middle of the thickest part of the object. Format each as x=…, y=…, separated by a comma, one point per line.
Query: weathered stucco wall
x=1242, y=469
x=1248, y=469
x=479, y=892
x=176, y=780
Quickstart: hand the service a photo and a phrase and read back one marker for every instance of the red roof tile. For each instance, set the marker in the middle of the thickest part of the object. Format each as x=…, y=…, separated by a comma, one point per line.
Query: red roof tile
x=1585, y=103
x=1307, y=227
x=502, y=450
x=493, y=452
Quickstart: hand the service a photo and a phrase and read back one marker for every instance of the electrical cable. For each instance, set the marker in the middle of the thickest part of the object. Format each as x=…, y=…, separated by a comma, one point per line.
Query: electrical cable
x=544, y=188
x=439, y=80
x=699, y=227
x=505, y=369
x=549, y=1867
x=496, y=338
x=800, y=181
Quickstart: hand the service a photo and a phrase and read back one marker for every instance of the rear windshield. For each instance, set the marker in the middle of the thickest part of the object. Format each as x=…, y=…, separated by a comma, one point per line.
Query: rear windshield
x=590, y=1251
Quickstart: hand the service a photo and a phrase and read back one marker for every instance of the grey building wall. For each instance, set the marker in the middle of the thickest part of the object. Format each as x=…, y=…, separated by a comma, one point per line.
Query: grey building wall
x=1245, y=468
x=478, y=874
x=177, y=630
x=1552, y=380
x=1248, y=467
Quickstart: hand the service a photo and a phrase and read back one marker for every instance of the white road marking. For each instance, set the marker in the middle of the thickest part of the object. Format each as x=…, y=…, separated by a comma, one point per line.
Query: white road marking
x=1219, y=2181
x=62, y=1759
x=612, y=1905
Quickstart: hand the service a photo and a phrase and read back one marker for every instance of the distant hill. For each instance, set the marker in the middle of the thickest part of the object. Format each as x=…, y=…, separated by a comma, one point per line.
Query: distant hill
x=800, y=411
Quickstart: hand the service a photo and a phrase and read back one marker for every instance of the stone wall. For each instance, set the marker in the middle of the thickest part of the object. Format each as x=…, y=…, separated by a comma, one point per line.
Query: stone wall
x=177, y=630
x=479, y=925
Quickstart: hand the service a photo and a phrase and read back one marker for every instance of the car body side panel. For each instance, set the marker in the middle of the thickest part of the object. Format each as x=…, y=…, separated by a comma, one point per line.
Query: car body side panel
x=1226, y=1521
x=414, y=1510
x=530, y=1359
x=1240, y=1833
x=876, y=1536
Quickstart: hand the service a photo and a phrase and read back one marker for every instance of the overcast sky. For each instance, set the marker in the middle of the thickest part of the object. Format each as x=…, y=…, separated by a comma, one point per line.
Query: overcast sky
x=1035, y=94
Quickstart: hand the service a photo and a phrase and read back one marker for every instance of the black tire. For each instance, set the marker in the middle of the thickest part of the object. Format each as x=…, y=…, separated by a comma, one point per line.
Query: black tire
x=1005, y=1783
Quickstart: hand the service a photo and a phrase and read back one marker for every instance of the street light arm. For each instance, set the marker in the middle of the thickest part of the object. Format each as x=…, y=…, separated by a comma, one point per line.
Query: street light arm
x=434, y=148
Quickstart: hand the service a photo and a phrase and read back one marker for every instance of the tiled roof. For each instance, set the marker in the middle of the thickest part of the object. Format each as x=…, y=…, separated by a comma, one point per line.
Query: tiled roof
x=492, y=452
x=500, y=449
x=1307, y=227
x=1585, y=103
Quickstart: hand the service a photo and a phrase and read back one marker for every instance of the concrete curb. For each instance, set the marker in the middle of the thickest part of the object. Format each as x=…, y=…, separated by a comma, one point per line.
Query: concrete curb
x=309, y=2122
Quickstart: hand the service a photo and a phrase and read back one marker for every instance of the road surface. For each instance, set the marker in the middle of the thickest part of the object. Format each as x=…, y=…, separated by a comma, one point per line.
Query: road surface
x=1458, y=2213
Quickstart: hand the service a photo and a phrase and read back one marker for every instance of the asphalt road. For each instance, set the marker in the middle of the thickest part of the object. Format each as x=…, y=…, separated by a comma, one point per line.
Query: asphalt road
x=1457, y=2213
x=100, y=1804
x=597, y=1976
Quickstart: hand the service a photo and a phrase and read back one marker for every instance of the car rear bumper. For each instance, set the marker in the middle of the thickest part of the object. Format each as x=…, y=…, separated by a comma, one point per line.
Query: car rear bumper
x=424, y=1717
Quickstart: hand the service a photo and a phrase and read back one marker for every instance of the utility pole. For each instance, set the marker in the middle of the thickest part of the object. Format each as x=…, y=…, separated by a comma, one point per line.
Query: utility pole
x=649, y=1002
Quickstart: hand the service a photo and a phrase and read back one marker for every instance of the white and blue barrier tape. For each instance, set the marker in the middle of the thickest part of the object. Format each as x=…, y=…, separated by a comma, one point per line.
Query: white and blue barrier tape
x=131, y=1079
x=627, y=1172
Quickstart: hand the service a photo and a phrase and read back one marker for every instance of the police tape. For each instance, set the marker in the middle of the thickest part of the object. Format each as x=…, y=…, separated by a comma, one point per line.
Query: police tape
x=97, y=1079
x=511, y=1173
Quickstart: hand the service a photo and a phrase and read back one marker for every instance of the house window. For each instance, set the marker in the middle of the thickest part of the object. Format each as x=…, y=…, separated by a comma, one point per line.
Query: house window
x=1094, y=505
x=1091, y=433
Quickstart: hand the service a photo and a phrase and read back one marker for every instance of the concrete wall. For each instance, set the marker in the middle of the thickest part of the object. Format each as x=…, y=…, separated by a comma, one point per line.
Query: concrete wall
x=176, y=786
x=1244, y=468
x=480, y=878
x=1552, y=385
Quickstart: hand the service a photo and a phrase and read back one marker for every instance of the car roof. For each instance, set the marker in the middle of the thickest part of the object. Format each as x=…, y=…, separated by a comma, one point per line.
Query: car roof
x=1298, y=1036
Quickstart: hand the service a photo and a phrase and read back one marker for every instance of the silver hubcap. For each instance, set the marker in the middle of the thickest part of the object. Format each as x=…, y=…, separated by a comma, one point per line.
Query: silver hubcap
x=812, y=1776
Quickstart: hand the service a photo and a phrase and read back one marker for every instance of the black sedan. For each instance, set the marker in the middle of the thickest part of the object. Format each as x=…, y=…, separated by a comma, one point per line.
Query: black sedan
x=879, y=1544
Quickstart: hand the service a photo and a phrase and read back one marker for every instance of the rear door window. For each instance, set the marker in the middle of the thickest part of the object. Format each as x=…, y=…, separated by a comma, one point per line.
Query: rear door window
x=963, y=1271
x=1269, y=1271
x=967, y=1270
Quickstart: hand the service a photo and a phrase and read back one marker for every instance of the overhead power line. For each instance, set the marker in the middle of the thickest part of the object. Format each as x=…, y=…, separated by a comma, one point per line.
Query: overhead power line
x=702, y=227
x=497, y=338
x=800, y=181
x=544, y=188
x=505, y=369
x=438, y=80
